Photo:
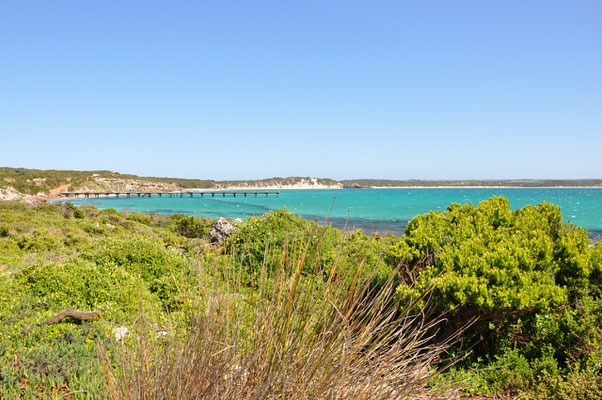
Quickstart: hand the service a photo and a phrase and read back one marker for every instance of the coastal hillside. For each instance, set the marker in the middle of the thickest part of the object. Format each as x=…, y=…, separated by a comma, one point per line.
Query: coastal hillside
x=35, y=186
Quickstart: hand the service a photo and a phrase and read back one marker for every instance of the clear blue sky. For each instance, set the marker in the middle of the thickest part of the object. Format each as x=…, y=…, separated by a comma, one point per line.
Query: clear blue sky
x=342, y=89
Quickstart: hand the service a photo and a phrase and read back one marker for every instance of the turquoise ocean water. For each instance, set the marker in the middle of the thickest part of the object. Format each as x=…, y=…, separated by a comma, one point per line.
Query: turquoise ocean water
x=383, y=210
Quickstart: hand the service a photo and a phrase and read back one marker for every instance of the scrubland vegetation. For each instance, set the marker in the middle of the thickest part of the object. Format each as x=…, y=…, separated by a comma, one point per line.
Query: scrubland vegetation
x=33, y=181
x=476, y=300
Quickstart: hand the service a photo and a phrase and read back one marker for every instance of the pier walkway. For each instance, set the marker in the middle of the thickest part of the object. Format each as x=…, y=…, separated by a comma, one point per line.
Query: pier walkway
x=223, y=193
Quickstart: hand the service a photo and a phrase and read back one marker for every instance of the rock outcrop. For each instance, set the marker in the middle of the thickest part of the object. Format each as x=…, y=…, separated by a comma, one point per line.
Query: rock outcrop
x=10, y=194
x=222, y=229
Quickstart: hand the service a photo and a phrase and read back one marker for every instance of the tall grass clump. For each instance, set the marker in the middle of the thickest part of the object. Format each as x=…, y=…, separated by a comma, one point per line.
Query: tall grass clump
x=282, y=334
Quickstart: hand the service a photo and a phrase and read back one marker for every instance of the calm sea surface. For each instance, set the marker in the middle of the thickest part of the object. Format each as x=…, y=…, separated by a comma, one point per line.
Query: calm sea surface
x=384, y=210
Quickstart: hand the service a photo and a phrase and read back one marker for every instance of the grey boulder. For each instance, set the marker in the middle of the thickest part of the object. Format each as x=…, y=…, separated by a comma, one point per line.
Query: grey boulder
x=220, y=230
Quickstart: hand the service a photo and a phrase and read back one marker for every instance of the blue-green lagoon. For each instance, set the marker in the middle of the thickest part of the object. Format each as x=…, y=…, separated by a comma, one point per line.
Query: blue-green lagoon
x=383, y=210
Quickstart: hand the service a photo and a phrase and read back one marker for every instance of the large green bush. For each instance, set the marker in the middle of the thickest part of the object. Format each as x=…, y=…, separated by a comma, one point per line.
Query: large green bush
x=159, y=267
x=192, y=227
x=274, y=237
x=269, y=235
x=529, y=282
x=493, y=263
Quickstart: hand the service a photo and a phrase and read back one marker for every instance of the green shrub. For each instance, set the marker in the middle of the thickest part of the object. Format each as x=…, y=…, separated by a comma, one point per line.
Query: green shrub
x=529, y=279
x=274, y=234
x=272, y=239
x=574, y=332
x=78, y=213
x=580, y=382
x=40, y=240
x=141, y=218
x=146, y=258
x=595, y=278
x=4, y=230
x=268, y=232
x=49, y=262
x=70, y=211
x=490, y=262
x=67, y=209
x=192, y=227
x=83, y=285
x=94, y=228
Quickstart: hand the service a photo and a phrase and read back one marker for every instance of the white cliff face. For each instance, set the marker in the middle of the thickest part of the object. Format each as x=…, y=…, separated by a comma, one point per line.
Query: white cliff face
x=306, y=183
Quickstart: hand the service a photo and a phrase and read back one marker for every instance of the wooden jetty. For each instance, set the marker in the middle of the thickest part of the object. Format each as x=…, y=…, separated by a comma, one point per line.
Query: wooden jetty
x=223, y=193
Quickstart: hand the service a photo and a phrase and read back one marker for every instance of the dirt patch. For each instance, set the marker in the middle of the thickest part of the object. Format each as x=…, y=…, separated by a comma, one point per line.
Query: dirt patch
x=59, y=189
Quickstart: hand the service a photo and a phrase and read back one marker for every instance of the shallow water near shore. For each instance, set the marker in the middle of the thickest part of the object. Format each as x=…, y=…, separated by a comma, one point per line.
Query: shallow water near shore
x=382, y=210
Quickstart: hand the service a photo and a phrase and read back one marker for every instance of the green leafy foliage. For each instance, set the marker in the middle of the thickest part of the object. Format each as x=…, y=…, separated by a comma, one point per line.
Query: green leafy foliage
x=268, y=234
x=140, y=218
x=145, y=258
x=280, y=235
x=104, y=261
x=192, y=227
x=494, y=263
x=531, y=282
x=595, y=278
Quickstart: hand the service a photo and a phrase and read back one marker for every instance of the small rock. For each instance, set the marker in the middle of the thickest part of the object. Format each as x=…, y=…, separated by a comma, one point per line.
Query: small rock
x=120, y=332
x=221, y=229
x=96, y=224
x=110, y=225
x=161, y=334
